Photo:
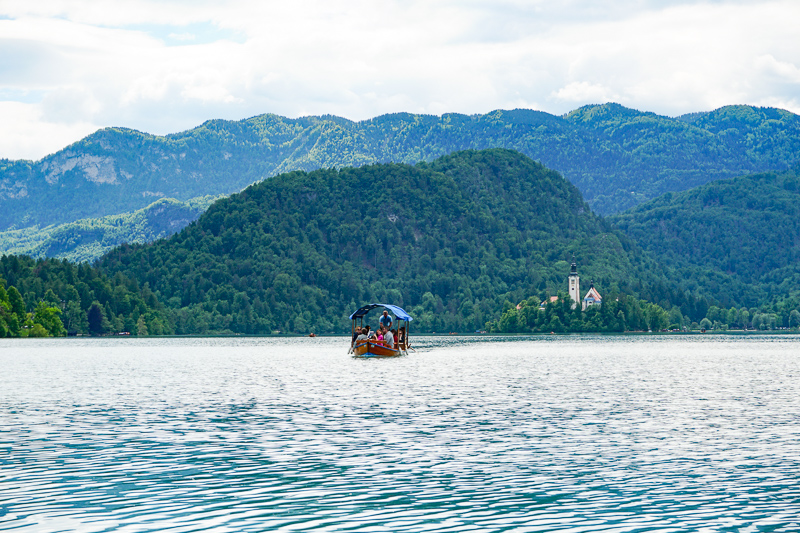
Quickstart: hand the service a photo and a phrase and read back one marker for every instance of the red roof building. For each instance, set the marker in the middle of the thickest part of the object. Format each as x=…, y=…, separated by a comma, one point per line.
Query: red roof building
x=592, y=298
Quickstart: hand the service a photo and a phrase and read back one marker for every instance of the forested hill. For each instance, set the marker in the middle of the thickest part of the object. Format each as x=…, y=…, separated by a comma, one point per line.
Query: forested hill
x=452, y=240
x=88, y=239
x=617, y=157
x=736, y=240
x=62, y=297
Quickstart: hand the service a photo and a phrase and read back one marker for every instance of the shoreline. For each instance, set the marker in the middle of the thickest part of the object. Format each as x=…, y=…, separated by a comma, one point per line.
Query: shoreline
x=728, y=333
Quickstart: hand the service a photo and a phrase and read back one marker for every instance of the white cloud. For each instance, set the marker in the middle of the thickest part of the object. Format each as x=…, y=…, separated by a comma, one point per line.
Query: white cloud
x=581, y=91
x=166, y=66
x=769, y=66
x=32, y=136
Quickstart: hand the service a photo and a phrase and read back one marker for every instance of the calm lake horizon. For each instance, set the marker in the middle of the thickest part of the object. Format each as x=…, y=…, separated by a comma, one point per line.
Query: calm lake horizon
x=612, y=433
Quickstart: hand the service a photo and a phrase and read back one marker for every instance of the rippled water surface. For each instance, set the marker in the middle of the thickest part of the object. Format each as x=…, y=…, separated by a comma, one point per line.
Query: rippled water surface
x=581, y=433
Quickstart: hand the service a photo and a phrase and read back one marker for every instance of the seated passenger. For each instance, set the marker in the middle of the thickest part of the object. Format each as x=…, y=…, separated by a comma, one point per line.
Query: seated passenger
x=361, y=337
x=356, y=333
x=389, y=338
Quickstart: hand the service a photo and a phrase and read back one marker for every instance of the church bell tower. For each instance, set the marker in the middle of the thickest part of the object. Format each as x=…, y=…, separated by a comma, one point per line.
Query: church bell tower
x=574, y=284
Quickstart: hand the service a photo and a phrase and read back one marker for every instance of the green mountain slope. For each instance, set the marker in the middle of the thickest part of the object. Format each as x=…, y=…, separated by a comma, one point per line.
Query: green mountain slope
x=84, y=300
x=452, y=240
x=736, y=240
x=617, y=157
x=648, y=155
x=89, y=239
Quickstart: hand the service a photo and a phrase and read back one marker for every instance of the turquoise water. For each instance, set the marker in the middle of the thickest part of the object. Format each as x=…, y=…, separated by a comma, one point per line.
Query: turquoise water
x=576, y=433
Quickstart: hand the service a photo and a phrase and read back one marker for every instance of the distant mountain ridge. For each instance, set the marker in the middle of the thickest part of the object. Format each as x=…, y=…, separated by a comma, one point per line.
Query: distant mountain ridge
x=88, y=239
x=617, y=157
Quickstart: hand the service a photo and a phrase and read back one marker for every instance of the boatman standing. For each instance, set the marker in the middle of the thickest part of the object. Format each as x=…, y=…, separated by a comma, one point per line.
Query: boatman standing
x=386, y=320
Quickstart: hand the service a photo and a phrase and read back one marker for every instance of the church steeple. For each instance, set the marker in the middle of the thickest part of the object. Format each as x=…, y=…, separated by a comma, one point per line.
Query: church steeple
x=574, y=283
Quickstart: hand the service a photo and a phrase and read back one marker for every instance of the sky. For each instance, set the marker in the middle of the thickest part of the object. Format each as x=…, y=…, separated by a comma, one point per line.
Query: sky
x=68, y=68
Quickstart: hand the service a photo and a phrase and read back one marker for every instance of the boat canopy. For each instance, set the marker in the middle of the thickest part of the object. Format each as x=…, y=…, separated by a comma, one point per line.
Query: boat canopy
x=398, y=312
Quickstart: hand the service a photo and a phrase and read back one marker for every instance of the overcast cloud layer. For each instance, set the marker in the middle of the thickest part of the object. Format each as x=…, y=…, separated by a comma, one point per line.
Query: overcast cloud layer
x=68, y=68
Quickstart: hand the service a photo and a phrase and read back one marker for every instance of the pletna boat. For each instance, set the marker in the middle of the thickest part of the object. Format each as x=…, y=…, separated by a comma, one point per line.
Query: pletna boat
x=375, y=348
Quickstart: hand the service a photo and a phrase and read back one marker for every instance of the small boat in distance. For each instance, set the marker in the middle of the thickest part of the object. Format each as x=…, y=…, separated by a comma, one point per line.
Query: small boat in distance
x=376, y=348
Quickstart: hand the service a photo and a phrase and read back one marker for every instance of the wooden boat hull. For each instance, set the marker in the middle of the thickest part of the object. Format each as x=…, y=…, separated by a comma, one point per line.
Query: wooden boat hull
x=373, y=349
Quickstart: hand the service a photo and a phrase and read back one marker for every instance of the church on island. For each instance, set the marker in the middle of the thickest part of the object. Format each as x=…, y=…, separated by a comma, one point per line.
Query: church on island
x=592, y=297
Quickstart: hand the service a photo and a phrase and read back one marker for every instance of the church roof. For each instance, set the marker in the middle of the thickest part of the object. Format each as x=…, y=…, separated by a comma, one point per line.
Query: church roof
x=593, y=294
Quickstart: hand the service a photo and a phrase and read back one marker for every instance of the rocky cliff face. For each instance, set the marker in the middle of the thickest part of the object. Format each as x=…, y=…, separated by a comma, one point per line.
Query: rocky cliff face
x=96, y=169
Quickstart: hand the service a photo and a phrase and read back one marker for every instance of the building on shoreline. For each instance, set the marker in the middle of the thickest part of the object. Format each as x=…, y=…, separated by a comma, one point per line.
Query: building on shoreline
x=574, y=283
x=591, y=298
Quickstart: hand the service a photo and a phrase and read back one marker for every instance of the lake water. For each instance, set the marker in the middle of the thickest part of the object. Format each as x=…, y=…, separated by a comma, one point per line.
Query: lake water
x=542, y=433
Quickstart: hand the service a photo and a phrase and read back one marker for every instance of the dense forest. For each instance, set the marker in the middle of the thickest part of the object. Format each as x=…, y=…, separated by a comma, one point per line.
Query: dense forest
x=736, y=240
x=473, y=240
x=15, y=321
x=454, y=240
x=617, y=157
x=621, y=312
x=51, y=297
x=88, y=239
x=617, y=313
